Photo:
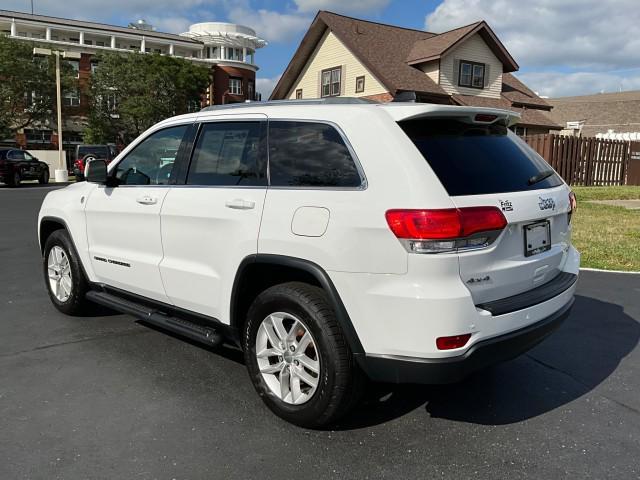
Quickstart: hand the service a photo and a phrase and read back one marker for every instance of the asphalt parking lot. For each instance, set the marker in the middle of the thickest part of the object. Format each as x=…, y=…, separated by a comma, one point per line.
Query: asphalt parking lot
x=106, y=397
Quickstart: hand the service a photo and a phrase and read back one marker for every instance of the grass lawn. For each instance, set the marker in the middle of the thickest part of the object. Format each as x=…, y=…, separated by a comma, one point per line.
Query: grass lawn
x=607, y=237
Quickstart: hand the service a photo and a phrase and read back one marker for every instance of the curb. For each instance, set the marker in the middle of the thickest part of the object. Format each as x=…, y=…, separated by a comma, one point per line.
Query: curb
x=608, y=271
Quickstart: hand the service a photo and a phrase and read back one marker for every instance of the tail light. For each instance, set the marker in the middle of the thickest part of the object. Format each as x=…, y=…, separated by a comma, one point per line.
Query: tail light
x=573, y=204
x=449, y=343
x=446, y=230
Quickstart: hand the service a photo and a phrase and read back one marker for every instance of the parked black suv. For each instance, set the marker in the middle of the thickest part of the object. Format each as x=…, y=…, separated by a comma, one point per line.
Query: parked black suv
x=17, y=165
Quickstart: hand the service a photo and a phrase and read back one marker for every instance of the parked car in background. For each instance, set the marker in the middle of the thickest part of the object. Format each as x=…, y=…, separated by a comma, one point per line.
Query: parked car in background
x=91, y=152
x=17, y=165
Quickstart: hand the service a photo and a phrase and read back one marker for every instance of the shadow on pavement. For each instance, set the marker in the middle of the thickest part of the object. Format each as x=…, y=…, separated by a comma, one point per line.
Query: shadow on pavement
x=574, y=360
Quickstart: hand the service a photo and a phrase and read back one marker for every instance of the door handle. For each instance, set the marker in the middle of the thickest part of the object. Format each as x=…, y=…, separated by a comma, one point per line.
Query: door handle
x=239, y=204
x=147, y=200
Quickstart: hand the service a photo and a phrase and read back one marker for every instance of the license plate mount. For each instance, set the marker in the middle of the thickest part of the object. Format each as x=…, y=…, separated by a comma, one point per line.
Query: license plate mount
x=537, y=238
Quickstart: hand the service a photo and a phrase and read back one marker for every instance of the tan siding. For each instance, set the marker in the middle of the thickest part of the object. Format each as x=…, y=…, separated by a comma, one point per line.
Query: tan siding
x=432, y=69
x=331, y=52
x=474, y=50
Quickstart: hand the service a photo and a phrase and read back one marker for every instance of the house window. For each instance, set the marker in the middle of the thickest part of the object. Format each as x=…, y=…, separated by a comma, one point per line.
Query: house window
x=71, y=98
x=471, y=74
x=233, y=53
x=360, y=84
x=99, y=43
x=299, y=94
x=331, y=82
x=94, y=67
x=235, y=86
x=75, y=65
x=250, y=89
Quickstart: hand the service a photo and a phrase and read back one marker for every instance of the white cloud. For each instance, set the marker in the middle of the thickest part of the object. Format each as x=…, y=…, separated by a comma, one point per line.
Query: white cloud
x=558, y=84
x=271, y=25
x=266, y=85
x=170, y=24
x=357, y=6
x=579, y=34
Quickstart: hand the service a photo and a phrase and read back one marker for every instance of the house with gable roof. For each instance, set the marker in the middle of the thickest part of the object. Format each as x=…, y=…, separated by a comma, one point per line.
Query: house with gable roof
x=345, y=56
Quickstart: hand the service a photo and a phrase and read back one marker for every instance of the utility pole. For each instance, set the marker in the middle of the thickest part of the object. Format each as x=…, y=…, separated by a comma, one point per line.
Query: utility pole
x=61, y=163
x=31, y=7
x=61, y=174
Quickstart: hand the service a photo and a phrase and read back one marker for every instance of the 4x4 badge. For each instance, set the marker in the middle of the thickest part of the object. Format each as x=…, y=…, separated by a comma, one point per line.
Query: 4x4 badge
x=506, y=206
x=546, y=204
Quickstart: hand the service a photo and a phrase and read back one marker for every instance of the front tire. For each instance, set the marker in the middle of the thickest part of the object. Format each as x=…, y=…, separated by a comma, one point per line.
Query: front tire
x=63, y=274
x=297, y=356
x=44, y=178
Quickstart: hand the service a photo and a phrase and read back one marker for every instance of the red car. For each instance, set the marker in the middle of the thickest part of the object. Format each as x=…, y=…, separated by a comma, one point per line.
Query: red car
x=91, y=152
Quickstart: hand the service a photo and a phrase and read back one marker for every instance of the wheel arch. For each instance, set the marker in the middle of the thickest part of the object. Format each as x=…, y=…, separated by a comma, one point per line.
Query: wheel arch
x=261, y=271
x=47, y=226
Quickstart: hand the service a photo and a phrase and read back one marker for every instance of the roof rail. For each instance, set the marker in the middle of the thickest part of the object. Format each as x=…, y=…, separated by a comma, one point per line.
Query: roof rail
x=312, y=101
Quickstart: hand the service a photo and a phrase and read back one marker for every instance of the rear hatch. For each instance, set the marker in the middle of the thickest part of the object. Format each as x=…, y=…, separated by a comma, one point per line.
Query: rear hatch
x=482, y=163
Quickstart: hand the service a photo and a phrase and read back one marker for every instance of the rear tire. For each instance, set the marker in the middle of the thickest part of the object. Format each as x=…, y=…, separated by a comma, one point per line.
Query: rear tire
x=326, y=362
x=16, y=178
x=63, y=274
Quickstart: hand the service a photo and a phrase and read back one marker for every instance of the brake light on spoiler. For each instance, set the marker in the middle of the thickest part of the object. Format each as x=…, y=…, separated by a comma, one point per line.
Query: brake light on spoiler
x=446, y=230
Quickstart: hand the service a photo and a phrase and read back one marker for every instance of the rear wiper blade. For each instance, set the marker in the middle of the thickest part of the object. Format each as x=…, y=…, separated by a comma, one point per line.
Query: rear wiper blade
x=541, y=176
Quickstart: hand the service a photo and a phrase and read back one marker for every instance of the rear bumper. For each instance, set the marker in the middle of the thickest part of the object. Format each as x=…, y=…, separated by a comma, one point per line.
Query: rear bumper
x=399, y=369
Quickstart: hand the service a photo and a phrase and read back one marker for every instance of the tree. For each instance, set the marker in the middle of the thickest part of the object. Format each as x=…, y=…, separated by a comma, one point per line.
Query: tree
x=131, y=92
x=27, y=86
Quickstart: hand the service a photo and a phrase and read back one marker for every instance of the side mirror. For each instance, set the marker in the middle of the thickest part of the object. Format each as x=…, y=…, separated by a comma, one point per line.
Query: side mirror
x=95, y=171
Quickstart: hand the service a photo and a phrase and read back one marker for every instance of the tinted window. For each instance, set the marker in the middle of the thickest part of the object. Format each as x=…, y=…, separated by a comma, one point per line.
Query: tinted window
x=227, y=153
x=477, y=159
x=152, y=160
x=304, y=154
x=16, y=155
x=97, y=150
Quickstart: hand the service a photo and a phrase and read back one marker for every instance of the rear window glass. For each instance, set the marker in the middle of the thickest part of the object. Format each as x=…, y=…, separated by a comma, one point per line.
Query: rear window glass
x=99, y=152
x=478, y=159
x=307, y=154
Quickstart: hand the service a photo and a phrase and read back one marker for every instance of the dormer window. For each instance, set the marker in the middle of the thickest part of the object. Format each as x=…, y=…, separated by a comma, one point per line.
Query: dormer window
x=471, y=74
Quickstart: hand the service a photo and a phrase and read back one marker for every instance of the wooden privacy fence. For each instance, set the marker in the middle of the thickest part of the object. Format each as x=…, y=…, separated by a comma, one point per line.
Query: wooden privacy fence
x=584, y=160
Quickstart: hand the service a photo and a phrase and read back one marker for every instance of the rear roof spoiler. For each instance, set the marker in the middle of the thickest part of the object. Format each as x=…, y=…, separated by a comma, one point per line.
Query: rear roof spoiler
x=475, y=115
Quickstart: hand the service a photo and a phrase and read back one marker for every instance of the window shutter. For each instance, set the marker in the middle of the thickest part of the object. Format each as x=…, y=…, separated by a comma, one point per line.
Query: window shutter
x=456, y=71
x=319, y=95
x=487, y=73
x=343, y=80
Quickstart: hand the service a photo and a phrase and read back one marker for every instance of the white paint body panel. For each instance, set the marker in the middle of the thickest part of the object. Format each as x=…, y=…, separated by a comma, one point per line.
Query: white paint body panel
x=119, y=229
x=204, y=242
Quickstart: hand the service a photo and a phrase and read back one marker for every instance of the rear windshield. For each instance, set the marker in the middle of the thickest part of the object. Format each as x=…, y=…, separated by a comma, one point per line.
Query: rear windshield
x=478, y=159
x=98, y=151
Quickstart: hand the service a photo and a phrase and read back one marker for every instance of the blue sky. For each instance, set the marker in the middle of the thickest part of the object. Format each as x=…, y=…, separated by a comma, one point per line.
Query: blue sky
x=564, y=47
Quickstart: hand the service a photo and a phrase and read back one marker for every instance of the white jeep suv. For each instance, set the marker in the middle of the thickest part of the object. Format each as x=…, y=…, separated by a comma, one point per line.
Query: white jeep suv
x=331, y=240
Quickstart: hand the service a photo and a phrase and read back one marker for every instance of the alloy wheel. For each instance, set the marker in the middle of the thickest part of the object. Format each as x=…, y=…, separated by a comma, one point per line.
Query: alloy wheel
x=288, y=358
x=59, y=271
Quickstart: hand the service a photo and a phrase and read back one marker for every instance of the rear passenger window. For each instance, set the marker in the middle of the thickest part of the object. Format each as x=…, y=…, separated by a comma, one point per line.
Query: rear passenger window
x=228, y=153
x=307, y=154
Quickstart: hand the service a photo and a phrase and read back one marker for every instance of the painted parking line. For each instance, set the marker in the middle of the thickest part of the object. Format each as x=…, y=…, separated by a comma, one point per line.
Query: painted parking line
x=608, y=271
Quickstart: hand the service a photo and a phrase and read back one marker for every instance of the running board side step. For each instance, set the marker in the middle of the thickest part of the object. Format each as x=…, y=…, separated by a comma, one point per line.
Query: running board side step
x=199, y=333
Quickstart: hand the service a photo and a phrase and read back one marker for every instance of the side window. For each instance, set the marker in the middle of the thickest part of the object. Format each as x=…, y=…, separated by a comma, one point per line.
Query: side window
x=306, y=154
x=16, y=155
x=228, y=153
x=151, y=161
